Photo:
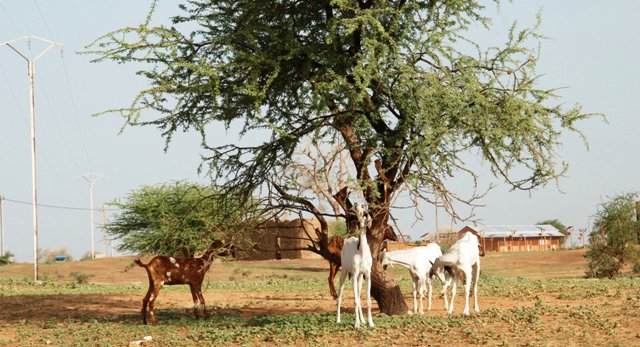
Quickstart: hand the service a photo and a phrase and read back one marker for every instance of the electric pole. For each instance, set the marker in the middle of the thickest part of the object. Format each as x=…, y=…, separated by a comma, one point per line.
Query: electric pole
x=31, y=72
x=104, y=230
x=92, y=177
x=1, y=228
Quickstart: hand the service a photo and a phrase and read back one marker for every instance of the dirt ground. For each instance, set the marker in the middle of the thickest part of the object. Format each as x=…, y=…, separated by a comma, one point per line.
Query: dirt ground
x=122, y=271
x=119, y=271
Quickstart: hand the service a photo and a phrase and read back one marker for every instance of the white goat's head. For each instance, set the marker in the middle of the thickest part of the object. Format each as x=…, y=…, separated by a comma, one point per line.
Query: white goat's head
x=364, y=220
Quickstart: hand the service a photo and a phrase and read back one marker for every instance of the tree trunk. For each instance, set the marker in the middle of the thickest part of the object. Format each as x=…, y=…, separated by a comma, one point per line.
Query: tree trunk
x=386, y=292
x=384, y=289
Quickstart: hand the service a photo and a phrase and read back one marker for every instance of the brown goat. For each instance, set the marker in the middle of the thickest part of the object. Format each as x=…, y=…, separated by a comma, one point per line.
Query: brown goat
x=335, y=248
x=163, y=270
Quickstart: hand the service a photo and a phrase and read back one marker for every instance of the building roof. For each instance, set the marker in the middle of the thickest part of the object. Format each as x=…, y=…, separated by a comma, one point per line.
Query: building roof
x=517, y=231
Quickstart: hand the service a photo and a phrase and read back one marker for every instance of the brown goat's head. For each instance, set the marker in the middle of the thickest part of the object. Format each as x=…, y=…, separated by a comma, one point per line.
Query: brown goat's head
x=389, y=234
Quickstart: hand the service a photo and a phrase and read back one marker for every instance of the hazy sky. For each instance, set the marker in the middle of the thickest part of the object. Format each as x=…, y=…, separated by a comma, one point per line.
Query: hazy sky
x=592, y=50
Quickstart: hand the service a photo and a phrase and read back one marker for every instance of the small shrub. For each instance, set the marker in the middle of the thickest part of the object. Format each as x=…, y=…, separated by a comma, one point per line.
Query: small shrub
x=6, y=259
x=601, y=264
x=81, y=278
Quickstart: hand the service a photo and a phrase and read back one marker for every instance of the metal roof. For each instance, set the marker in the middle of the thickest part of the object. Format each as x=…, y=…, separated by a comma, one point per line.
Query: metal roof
x=517, y=231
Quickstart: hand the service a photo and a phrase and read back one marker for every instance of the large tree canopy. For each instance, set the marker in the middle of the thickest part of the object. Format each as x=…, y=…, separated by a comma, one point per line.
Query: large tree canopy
x=396, y=83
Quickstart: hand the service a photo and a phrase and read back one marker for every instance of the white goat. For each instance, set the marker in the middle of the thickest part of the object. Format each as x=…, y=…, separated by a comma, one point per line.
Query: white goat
x=463, y=255
x=357, y=261
x=418, y=260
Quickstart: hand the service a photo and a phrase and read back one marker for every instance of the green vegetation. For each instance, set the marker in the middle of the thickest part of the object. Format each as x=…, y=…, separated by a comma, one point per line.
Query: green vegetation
x=7, y=258
x=338, y=228
x=177, y=218
x=614, y=238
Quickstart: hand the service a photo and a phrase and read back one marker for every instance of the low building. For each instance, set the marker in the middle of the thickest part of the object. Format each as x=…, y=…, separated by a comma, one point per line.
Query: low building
x=516, y=238
x=283, y=240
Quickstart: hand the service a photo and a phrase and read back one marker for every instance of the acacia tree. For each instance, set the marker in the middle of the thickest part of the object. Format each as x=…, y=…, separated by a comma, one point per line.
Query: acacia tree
x=178, y=218
x=613, y=237
x=395, y=82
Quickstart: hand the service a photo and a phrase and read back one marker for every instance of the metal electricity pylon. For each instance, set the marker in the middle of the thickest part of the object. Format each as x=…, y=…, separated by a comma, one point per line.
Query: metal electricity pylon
x=31, y=62
x=92, y=177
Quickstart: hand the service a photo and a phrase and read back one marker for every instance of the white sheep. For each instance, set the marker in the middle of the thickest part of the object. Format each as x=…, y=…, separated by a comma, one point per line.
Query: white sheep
x=357, y=261
x=464, y=256
x=418, y=260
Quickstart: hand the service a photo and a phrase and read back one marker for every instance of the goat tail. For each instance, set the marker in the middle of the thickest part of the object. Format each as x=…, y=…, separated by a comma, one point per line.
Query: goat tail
x=140, y=263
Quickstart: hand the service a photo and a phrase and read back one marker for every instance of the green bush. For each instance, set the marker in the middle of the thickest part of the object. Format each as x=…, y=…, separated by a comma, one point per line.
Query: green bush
x=614, y=235
x=601, y=263
x=6, y=259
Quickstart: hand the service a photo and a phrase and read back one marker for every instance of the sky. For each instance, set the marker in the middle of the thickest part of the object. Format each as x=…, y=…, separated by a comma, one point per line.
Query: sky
x=591, y=51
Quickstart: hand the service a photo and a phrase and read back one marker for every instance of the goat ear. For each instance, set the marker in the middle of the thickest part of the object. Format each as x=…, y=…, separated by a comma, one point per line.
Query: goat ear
x=431, y=262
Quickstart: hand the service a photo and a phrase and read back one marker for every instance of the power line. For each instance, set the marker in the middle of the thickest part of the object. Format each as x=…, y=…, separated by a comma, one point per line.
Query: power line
x=55, y=120
x=15, y=97
x=58, y=206
x=13, y=24
x=23, y=116
x=46, y=26
x=68, y=82
x=75, y=111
